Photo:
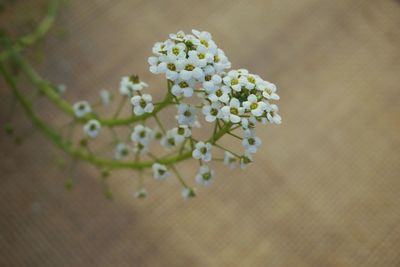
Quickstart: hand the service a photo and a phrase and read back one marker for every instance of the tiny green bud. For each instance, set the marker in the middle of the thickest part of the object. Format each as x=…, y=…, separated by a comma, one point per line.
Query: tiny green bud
x=69, y=184
x=8, y=129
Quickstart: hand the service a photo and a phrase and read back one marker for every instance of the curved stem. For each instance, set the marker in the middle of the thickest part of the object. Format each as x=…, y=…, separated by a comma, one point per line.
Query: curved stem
x=40, y=31
x=47, y=90
x=85, y=156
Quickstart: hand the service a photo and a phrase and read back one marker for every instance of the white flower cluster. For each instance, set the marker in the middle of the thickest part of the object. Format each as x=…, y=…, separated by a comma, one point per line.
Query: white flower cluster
x=187, y=59
x=192, y=63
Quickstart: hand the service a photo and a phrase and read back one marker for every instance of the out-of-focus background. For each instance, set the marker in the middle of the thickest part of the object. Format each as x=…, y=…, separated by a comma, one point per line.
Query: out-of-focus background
x=324, y=189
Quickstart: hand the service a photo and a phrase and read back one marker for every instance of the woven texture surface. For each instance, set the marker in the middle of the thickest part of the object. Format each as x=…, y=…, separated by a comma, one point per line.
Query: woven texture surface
x=324, y=189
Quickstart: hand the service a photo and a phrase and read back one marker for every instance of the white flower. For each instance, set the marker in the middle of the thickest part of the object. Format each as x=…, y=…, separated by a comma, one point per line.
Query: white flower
x=105, y=97
x=233, y=111
x=61, y=88
x=170, y=68
x=245, y=160
x=268, y=90
x=229, y=159
x=190, y=70
x=142, y=135
x=249, y=122
x=232, y=80
x=130, y=84
x=181, y=133
x=187, y=56
x=205, y=40
x=200, y=57
x=220, y=94
x=272, y=114
x=179, y=36
x=168, y=140
x=221, y=62
x=142, y=104
x=188, y=192
x=211, y=83
x=254, y=106
x=250, y=141
x=176, y=51
x=140, y=149
x=182, y=87
x=204, y=175
x=121, y=151
x=212, y=112
x=186, y=114
x=153, y=62
x=141, y=193
x=92, y=128
x=160, y=172
x=202, y=151
x=81, y=108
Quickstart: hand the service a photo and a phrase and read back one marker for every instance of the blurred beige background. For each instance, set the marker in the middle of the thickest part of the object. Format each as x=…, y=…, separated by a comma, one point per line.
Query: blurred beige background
x=324, y=190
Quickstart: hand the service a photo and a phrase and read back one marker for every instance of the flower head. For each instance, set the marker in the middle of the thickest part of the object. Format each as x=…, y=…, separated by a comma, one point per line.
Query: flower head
x=229, y=159
x=130, y=84
x=143, y=135
x=105, y=97
x=204, y=175
x=250, y=141
x=81, y=108
x=202, y=151
x=142, y=104
x=121, y=151
x=92, y=128
x=186, y=114
x=160, y=172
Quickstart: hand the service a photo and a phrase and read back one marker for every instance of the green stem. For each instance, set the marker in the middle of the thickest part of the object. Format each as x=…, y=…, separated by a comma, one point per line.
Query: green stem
x=46, y=88
x=40, y=31
x=83, y=155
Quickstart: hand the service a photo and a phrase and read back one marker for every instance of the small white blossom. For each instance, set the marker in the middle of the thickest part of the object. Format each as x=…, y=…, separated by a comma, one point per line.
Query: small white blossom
x=61, y=88
x=220, y=94
x=232, y=80
x=250, y=141
x=186, y=114
x=202, y=151
x=121, y=151
x=140, y=149
x=268, y=90
x=142, y=104
x=128, y=85
x=182, y=87
x=141, y=193
x=170, y=68
x=254, y=106
x=233, y=111
x=181, y=133
x=168, y=140
x=211, y=83
x=245, y=160
x=81, y=108
x=191, y=69
x=212, y=112
x=204, y=175
x=160, y=172
x=188, y=192
x=176, y=51
x=272, y=114
x=249, y=123
x=229, y=159
x=92, y=128
x=142, y=135
x=105, y=97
